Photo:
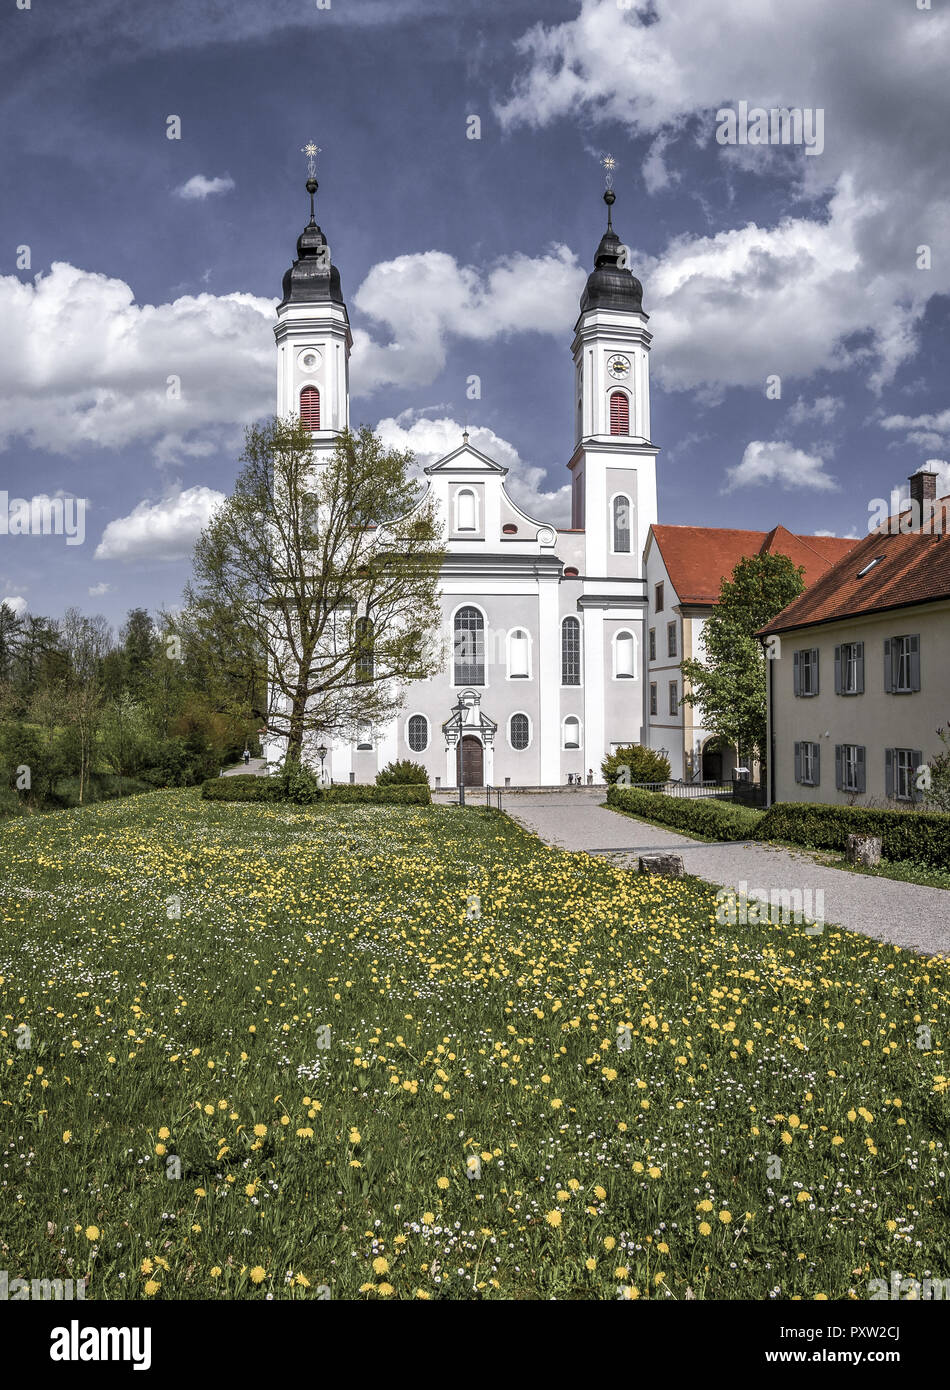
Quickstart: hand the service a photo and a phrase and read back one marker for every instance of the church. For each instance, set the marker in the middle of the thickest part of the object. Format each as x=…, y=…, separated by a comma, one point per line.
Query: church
x=544, y=625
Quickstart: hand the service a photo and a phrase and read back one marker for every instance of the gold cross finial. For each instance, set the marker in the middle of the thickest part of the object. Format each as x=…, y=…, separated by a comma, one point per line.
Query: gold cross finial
x=609, y=164
x=311, y=150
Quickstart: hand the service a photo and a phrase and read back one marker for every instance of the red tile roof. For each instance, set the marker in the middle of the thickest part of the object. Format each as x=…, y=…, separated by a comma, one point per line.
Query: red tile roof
x=915, y=568
x=699, y=558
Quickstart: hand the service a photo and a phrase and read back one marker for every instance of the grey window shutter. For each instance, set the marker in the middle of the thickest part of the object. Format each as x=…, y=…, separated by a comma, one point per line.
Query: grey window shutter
x=918, y=758
x=859, y=669
x=888, y=668
x=838, y=682
x=839, y=766
x=798, y=759
x=889, y=771
x=860, y=768
x=915, y=662
x=816, y=764
x=798, y=674
x=814, y=666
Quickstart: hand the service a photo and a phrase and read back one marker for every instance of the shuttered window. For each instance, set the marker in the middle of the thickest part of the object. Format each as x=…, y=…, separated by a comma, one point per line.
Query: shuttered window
x=619, y=413
x=310, y=408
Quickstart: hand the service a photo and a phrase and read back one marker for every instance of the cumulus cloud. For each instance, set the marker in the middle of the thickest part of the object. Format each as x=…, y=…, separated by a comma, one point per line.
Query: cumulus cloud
x=424, y=299
x=931, y=431
x=822, y=411
x=788, y=296
x=82, y=363
x=430, y=440
x=198, y=187
x=778, y=462
x=16, y=603
x=164, y=530
x=97, y=590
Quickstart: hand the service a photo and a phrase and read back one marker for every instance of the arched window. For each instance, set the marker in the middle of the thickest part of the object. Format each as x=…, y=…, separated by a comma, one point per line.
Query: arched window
x=469, y=647
x=519, y=655
x=310, y=408
x=624, y=656
x=364, y=649
x=364, y=737
x=619, y=413
x=570, y=652
x=466, y=512
x=621, y=520
x=519, y=733
x=572, y=732
x=418, y=733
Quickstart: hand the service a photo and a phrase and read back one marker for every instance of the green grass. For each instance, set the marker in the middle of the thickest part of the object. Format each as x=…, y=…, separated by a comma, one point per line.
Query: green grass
x=625, y=1071
x=903, y=870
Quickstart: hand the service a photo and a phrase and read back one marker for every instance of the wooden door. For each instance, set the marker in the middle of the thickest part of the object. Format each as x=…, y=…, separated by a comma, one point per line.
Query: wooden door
x=470, y=759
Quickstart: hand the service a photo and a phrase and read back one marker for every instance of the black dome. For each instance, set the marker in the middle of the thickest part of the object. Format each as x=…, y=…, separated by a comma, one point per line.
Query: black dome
x=609, y=286
x=312, y=279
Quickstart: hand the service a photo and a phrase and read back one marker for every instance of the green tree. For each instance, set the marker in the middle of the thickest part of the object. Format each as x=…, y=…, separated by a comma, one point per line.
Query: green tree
x=324, y=578
x=633, y=764
x=730, y=682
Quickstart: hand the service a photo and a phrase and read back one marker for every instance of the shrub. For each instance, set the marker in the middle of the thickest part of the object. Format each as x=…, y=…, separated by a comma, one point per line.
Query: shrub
x=403, y=772
x=721, y=820
x=241, y=788
x=633, y=764
x=412, y=794
x=923, y=836
x=298, y=784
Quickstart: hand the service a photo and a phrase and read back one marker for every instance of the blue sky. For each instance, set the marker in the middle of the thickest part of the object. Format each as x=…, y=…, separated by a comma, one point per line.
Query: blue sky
x=463, y=256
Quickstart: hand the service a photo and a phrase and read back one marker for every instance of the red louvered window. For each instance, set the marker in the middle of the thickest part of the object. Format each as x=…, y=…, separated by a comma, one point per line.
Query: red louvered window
x=619, y=413
x=310, y=408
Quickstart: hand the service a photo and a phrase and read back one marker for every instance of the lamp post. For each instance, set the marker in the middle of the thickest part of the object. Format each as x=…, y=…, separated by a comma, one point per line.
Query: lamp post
x=321, y=754
x=460, y=711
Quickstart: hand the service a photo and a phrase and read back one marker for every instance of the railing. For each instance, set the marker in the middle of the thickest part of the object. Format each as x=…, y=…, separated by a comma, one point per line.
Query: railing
x=677, y=787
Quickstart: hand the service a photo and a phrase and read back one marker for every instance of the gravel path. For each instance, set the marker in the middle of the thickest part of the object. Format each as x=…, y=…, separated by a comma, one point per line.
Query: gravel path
x=906, y=914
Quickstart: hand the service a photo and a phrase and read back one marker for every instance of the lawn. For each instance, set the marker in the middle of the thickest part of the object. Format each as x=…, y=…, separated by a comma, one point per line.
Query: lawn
x=413, y=1053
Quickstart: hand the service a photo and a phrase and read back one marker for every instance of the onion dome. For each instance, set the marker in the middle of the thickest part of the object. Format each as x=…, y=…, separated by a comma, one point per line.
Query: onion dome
x=312, y=279
x=610, y=285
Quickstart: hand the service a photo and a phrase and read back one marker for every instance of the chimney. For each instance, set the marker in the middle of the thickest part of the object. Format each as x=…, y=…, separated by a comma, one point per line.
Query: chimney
x=923, y=489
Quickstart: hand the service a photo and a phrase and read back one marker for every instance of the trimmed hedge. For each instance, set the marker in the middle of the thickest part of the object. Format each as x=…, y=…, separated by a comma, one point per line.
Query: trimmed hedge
x=245, y=787
x=721, y=820
x=922, y=836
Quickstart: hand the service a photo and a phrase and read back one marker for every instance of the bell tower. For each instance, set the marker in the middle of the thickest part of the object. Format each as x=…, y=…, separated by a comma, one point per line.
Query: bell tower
x=613, y=465
x=313, y=335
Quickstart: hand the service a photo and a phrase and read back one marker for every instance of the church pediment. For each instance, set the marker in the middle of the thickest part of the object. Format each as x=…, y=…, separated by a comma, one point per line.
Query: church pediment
x=466, y=460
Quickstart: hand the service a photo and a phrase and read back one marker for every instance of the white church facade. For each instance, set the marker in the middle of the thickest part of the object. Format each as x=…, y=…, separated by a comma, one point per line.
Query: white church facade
x=544, y=626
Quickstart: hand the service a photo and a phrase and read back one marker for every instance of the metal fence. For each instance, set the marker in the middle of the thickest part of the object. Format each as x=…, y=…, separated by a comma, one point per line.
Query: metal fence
x=677, y=787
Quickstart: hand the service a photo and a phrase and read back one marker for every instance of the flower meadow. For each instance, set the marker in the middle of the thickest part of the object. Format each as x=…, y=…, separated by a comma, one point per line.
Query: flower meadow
x=395, y=1053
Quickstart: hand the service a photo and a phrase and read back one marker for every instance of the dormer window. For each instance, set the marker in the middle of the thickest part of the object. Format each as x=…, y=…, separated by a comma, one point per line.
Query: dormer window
x=310, y=408
x=466, y=511
x=619, y=413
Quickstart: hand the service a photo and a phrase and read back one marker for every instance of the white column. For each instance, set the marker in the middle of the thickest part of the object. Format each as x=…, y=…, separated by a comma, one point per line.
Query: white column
x=548, y=676
x=450, y=766
x=387, y=747
x=489, y=761
x=593, y=740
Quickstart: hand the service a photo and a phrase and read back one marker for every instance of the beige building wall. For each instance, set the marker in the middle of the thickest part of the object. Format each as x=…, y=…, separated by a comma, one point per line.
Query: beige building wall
x=874, y=720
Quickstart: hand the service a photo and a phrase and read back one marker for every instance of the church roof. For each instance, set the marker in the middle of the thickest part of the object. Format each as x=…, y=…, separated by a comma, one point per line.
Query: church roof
x=699, y=558
x=610, y=285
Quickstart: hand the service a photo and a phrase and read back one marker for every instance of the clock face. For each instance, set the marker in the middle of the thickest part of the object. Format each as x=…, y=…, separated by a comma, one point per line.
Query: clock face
x=618, y=366
x=309, y=359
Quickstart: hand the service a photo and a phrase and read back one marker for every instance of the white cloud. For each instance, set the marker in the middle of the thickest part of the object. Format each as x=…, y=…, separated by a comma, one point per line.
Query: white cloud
x=777, y=461
x=198, y=187
x=926, y=431
x=16, y=603
x=430, y=440
x=165, y=530
x=97, y=590
x=82, y=363
x=783, y=298
x=822, y=410
x=939, y=466
x=422, y=300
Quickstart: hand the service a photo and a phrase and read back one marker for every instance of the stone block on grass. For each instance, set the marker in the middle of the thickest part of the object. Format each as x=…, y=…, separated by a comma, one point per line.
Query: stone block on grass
x=864, y=850
x=671, y=865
